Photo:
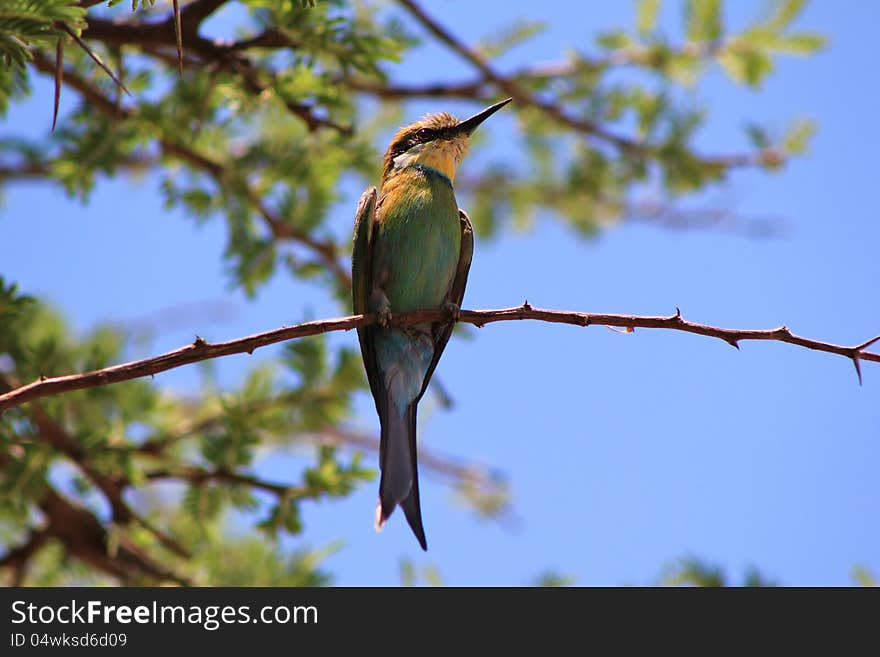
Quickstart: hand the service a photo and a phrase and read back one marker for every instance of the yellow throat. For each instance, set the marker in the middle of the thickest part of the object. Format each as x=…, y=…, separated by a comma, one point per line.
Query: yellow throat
x=441, y=155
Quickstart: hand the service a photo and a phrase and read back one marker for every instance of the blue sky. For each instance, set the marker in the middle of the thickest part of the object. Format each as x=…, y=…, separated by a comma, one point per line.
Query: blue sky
x=624, y=451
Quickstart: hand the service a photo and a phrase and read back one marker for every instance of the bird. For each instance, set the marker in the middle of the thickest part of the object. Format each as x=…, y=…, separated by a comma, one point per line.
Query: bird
x=412, y=251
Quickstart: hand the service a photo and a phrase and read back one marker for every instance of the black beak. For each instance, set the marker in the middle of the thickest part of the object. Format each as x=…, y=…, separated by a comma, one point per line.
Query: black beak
x=469, y=125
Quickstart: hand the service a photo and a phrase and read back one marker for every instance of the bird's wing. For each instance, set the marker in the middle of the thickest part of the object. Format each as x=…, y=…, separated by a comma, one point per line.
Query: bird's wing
x=464, y=259
x=362, y=284
x=456, y=293
x=362, y=252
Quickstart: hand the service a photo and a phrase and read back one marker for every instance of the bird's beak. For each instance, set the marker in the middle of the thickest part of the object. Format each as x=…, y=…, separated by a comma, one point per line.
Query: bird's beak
x=468, y=126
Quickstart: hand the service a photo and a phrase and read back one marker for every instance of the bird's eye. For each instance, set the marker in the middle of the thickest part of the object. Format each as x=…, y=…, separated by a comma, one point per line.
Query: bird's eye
x=424, y=134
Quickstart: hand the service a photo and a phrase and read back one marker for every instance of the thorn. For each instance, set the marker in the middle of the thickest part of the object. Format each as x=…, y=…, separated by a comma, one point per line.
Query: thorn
x=733, y=343
x=677, y=312
x=855, y=360
x=199, y=342
x=627, y=329
x=782, y=331
x=526, y=305
x=43, y=377
x=867, y=344
x=176, y=5
x=250, y=352
x=59, y=76
x=91, y=53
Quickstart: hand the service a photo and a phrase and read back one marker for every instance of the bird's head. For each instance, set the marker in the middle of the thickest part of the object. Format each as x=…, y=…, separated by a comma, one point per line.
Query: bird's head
x=437, y=141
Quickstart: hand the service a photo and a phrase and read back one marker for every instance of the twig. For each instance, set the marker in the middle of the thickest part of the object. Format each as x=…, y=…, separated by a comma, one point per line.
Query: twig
x=200, y=350
x=197, y=475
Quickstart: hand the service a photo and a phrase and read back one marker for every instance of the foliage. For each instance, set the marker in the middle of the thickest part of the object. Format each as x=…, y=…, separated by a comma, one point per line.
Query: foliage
x=25, y=23
x=695, y=572
x=691, y=571
x=263, y=130
x=688, y=571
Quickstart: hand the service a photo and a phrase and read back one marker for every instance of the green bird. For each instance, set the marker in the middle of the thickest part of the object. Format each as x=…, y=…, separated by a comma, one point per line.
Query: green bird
x=412, y=251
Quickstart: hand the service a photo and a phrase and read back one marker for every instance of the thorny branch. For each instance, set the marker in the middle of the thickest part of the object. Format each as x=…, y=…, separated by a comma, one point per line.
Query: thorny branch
x=200, y=350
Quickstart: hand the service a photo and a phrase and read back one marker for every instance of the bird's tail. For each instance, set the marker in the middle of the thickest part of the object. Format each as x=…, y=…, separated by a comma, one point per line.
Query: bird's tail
x=400, y=474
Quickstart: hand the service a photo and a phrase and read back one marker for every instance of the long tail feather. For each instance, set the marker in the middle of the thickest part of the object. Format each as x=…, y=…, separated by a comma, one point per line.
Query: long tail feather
x=411, y=506
x=396, y=463
x=399, y=462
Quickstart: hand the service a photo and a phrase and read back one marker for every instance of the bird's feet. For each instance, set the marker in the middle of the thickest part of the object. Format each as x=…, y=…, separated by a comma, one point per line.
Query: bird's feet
x=452, y=310
x=383, y=316
x=379, y=304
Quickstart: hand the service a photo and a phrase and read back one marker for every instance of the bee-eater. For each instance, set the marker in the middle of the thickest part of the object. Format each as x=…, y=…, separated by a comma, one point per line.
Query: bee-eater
x=412, y=251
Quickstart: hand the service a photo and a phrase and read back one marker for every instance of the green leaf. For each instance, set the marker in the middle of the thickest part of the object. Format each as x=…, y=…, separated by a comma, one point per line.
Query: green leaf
x=797, y=139
x=646, y=16
x=703, y=20
x=802, y=43
x=614, y=40
x=25, y=24
x=746, y=66
x=203, y=502
x=758, y=136
x=864, y=577
x=783, y=13
x=509, y=37
x=308, y=358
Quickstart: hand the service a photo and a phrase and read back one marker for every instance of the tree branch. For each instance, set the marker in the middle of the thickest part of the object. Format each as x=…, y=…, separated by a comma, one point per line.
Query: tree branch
x=111, y=486
x=555, y=111
x=228, y=55
x=85, y=538
x=444, y=466
x=200, y=350
x=521, y=95
x=196, y=475
x=17, y=559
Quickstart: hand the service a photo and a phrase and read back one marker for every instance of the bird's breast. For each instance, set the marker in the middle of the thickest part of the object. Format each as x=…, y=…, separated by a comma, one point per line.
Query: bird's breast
x=418, y=242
